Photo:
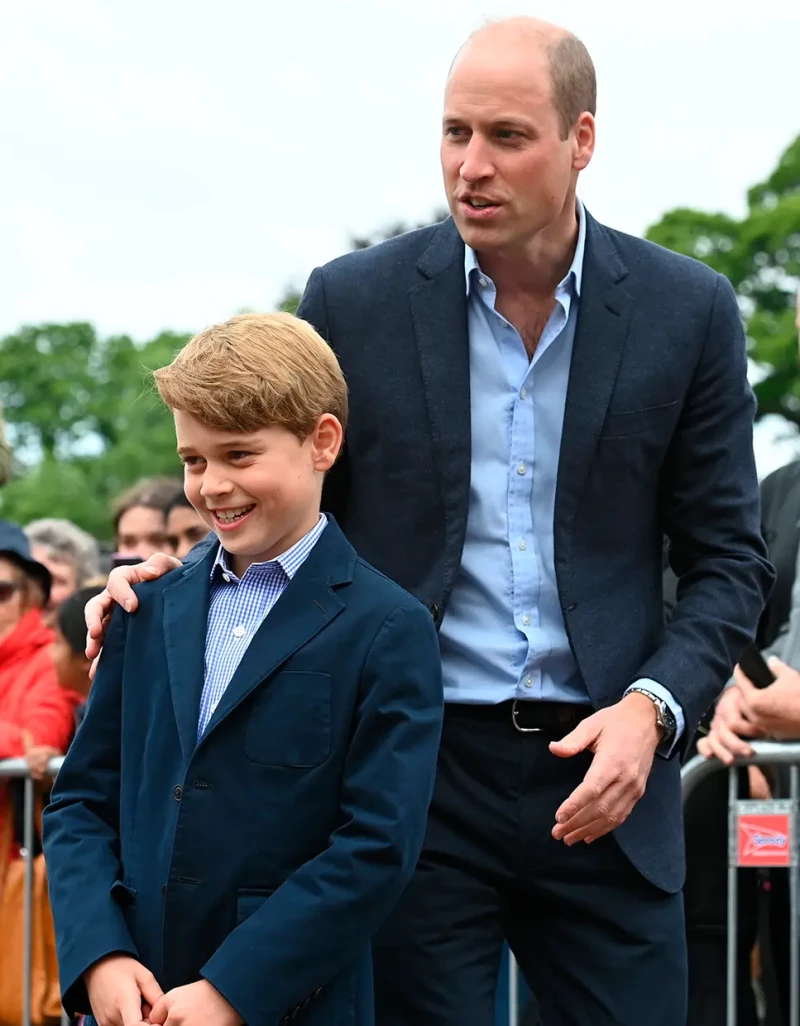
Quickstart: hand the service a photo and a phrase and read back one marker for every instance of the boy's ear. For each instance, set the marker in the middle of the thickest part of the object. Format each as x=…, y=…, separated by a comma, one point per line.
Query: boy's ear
x=326, y=440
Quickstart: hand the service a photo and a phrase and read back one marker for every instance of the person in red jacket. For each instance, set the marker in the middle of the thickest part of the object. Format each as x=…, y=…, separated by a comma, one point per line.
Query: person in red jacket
x=34, y=710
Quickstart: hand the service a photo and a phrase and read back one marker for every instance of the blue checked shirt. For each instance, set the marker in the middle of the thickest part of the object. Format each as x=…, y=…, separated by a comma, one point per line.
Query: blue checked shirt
x=238, y=607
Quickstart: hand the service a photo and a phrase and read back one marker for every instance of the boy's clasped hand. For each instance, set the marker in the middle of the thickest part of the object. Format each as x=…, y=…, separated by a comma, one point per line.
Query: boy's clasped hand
x=122, y=992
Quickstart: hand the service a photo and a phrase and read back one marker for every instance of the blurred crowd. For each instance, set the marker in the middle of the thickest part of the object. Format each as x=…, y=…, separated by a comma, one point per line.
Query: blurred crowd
x=49, y=569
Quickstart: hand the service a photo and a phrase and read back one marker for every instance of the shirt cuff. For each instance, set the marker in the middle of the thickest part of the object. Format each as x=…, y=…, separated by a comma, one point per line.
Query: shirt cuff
x=675, y=708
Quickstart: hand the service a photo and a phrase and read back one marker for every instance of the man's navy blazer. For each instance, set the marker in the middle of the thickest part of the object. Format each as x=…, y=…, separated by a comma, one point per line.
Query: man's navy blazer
x=657, y=441
x=264, y=857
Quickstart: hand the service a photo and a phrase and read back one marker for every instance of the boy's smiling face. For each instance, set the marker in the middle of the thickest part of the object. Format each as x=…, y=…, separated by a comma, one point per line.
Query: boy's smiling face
x=258, y=491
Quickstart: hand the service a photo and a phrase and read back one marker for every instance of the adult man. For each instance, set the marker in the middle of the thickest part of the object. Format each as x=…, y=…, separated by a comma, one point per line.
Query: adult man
x=559, y=395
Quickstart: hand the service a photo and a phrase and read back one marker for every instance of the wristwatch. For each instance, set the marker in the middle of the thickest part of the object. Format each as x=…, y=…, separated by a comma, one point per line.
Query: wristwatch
x=665, y=718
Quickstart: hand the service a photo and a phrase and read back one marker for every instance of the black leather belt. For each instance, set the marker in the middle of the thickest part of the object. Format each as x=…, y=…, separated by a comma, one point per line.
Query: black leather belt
x=553, y=718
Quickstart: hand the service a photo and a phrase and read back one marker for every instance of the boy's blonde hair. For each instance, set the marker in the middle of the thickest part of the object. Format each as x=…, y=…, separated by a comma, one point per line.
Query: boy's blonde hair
x=256, y=371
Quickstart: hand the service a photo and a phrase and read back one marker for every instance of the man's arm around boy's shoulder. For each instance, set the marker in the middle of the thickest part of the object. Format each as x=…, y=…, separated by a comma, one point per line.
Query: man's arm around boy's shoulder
x=320, y=919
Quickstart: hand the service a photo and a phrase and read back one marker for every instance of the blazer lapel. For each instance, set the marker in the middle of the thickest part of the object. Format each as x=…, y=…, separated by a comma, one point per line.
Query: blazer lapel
x=185, y=624
x=439, y=310
x=602, y=329
x=308, y=605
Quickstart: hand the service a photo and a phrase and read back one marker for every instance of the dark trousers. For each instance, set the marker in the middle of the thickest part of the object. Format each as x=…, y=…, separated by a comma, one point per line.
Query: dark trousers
x=597, y=944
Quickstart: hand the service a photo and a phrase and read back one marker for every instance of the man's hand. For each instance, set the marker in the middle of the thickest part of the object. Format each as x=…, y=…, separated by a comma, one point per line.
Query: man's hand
x=38, y=759
x=118, y=987
x=725, y=739
x=773, y=711
x=120, y=589
x=198, y=1004
x=624, y=739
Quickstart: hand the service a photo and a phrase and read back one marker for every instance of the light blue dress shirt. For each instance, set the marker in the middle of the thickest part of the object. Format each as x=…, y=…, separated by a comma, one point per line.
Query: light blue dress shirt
x=503, y=635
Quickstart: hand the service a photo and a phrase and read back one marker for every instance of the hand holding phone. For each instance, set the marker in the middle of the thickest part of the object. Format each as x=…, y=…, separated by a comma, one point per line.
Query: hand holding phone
x=753, y=666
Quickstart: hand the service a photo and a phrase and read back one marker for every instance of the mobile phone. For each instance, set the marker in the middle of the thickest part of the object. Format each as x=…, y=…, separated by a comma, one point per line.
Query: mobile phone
x=752, y=664
x=125, y=561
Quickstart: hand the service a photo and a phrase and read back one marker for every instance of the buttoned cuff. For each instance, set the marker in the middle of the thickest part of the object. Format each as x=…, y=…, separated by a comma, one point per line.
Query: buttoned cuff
x=661, y=692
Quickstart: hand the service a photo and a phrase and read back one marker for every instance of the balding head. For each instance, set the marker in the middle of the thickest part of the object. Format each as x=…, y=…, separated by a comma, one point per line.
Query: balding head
x=572, y=77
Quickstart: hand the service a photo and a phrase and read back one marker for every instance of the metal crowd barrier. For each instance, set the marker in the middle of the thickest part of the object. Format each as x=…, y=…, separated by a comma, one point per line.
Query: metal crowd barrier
x=760, y=833
x=16, y=769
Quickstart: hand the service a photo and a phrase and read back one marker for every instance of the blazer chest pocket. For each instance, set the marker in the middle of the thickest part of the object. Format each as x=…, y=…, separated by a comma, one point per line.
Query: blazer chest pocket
x=290, y=721
x=636, y=422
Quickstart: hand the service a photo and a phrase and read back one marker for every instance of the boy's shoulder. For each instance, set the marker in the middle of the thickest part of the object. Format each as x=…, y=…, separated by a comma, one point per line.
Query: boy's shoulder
x=150, y=591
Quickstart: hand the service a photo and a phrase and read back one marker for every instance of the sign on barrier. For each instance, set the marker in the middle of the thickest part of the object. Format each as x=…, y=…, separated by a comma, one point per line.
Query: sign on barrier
x=763, y=834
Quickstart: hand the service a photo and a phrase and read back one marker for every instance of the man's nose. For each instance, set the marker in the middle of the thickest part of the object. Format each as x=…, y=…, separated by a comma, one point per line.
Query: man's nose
x=477, y=163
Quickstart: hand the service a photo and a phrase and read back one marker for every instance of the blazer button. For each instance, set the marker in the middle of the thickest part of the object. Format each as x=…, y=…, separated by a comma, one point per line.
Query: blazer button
x=435, y=614
x=178, y=792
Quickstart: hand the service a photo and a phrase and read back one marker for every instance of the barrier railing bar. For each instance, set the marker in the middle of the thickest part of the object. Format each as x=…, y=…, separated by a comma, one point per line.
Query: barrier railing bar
x=27, y=913
x=19, y=767
x=794, y=879
x=765, y=753
x=733, y=909
x=513, y=991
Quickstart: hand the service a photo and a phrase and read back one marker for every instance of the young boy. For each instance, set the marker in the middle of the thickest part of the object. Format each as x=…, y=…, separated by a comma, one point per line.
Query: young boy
x=247, y=795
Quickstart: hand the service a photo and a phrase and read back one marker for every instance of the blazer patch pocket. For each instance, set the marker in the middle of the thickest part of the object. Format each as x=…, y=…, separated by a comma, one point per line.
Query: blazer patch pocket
x=635, y=422
x=290, y=721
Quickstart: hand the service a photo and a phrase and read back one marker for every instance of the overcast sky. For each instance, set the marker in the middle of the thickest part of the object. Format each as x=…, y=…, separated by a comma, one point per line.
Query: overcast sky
x=166, y=163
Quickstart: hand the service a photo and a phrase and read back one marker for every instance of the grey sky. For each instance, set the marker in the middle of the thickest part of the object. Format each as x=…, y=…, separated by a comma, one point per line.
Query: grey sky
x=167, y=163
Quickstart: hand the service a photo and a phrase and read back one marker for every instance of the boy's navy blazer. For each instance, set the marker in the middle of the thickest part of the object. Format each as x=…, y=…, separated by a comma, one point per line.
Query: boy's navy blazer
x=264, y=857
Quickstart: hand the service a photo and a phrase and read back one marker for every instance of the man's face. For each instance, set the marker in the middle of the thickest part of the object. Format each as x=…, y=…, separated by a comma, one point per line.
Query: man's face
x=507, y=171
x=258, y=491
x=63, y=573
x=185, y=528
x=141, y=532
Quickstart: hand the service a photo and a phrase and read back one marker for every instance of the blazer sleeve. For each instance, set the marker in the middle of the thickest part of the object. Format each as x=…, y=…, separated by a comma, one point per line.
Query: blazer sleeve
x=322, y=917
x=81, y=833
x=313, y=309
x=710, y=510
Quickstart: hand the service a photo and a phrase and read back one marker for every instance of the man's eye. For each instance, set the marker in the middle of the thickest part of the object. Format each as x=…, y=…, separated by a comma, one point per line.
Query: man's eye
x=454, y=131
x=190, y=461
x=239, y=454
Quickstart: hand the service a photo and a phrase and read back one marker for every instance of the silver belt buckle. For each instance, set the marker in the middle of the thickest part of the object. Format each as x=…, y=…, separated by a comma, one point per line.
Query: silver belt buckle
x=523, y=730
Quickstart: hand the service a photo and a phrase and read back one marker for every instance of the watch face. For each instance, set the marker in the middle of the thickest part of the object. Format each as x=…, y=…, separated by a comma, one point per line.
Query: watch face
x=668, y=717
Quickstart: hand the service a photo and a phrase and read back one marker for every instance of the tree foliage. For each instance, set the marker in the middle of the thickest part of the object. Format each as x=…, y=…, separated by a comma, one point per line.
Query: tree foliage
x=84, y=419
x=761, y=255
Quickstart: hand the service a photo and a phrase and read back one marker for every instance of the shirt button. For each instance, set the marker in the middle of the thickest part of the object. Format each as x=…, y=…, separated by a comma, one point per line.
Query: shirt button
x=226, y=579
x=526, y=619
x=529, y=682
x=482, y=282
x=523, y=393
x=522, y=545
x=238, y=632
x=521, y=468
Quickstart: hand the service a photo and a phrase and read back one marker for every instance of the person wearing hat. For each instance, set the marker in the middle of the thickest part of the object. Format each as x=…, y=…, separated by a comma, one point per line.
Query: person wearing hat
x=34, y=709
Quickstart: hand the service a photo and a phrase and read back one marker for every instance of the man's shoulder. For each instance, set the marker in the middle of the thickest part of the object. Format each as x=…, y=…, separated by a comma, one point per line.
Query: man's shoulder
x=389, y=257
x=650, y=259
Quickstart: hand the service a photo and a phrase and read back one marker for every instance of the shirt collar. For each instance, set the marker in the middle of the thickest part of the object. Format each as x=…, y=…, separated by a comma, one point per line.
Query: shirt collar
x=289, y=561
x=472, y=267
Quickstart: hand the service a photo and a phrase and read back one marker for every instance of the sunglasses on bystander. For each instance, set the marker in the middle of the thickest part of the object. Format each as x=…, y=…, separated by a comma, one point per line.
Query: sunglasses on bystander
x=8, y=589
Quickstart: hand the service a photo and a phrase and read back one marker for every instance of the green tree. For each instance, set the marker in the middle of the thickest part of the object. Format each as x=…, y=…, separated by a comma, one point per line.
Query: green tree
x=761, y=255
x=85, y=420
